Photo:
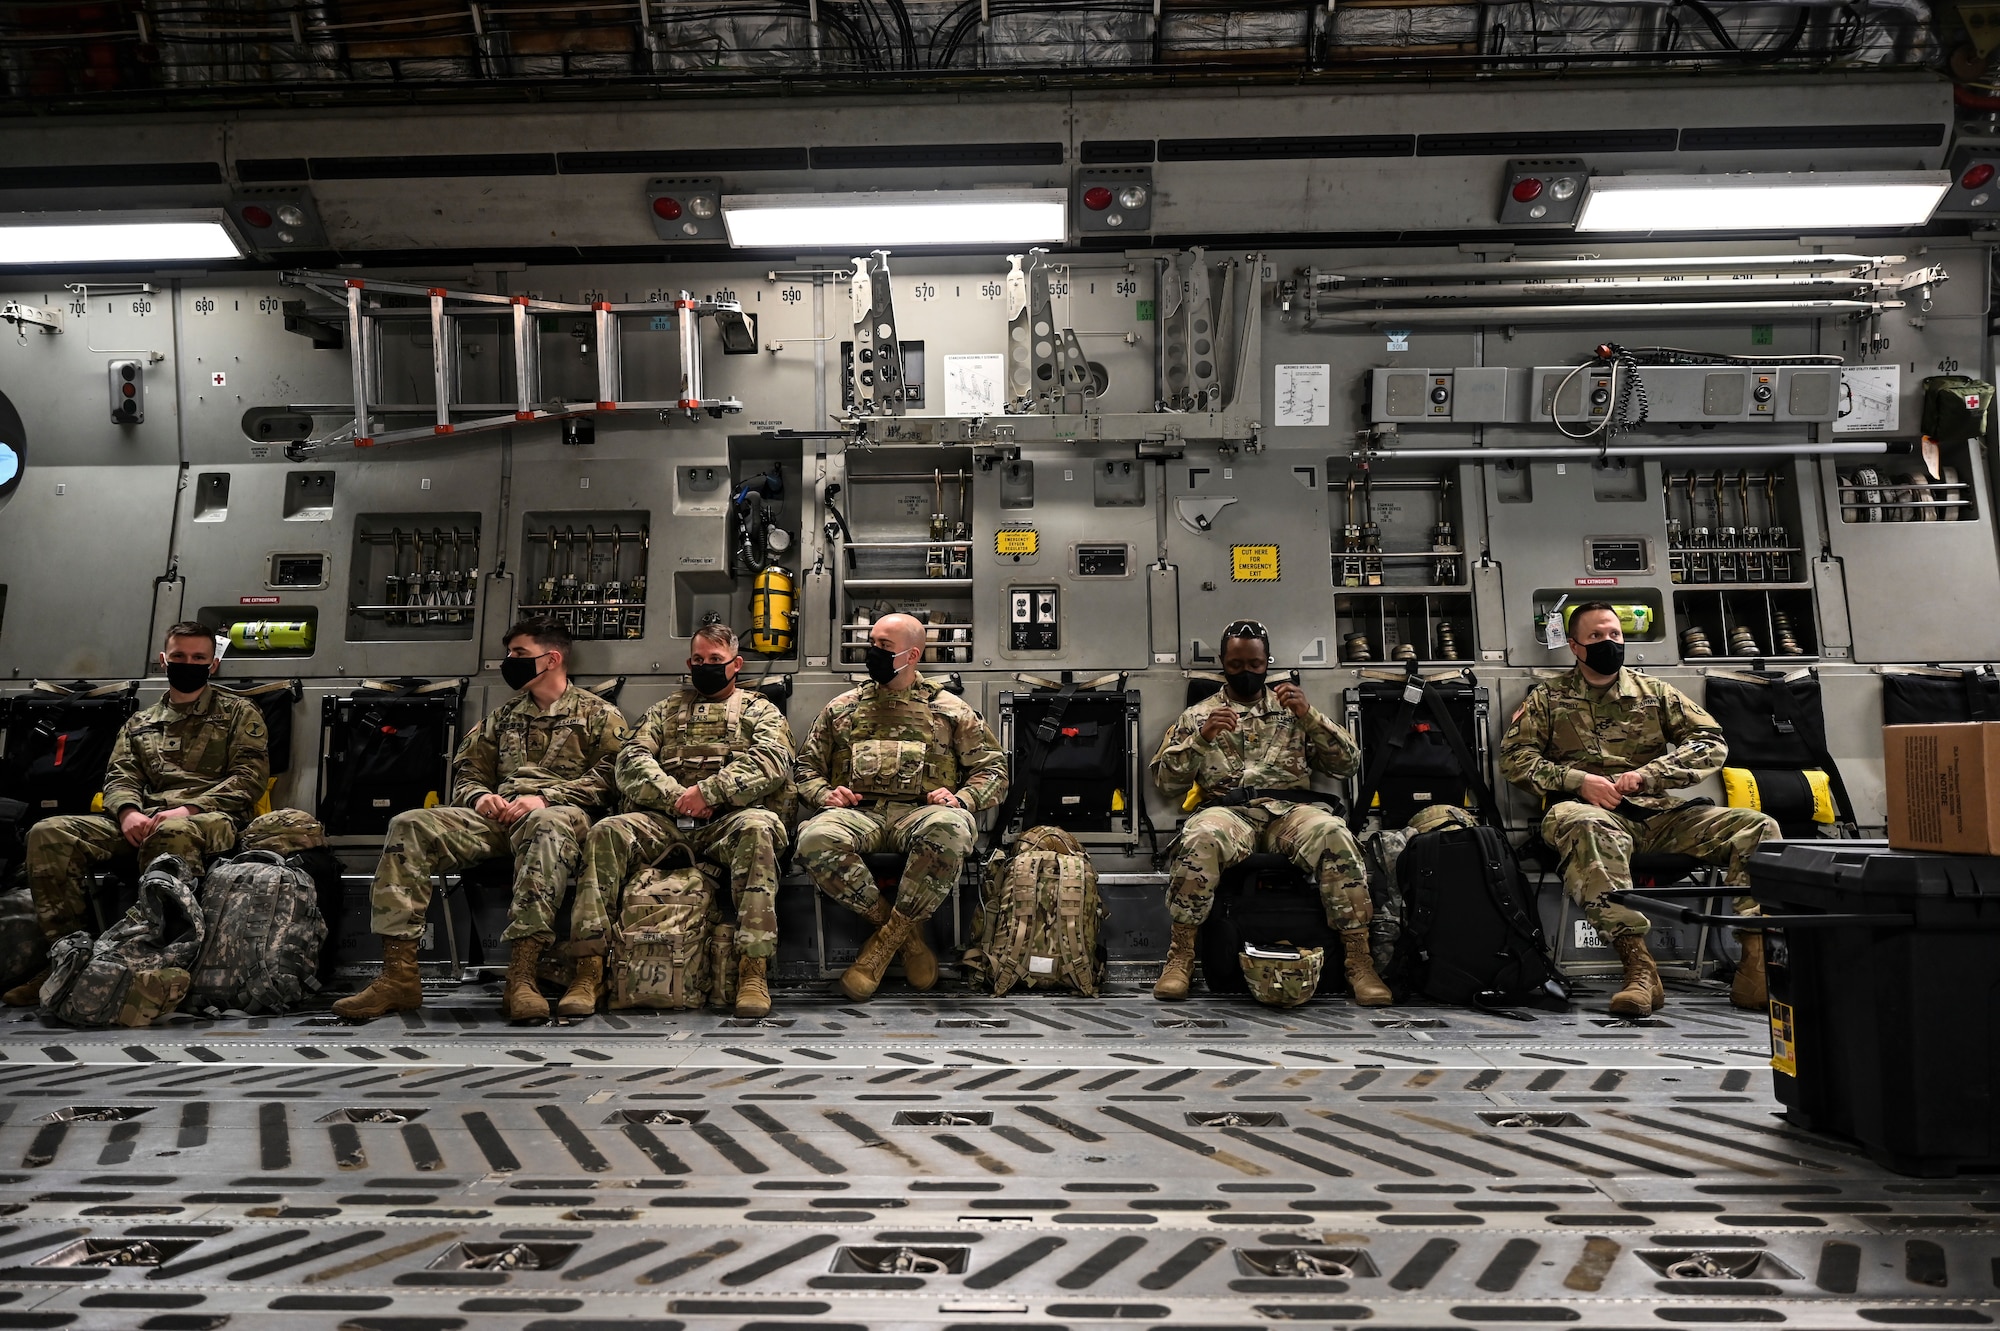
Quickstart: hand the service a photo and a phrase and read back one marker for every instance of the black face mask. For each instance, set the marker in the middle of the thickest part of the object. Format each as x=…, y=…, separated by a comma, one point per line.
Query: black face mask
x=1246, y=684
x=187, y=676
x=1605, y=656
x=520, y=671
x=708, y=679
x=881, y=664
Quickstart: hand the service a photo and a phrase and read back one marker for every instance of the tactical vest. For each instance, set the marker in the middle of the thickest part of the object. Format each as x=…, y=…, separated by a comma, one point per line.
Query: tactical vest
x=698, y=749
x=901, y=758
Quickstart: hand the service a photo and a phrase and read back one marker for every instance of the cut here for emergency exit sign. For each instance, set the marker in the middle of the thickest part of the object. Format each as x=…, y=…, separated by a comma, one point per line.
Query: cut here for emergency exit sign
x=1253, y=563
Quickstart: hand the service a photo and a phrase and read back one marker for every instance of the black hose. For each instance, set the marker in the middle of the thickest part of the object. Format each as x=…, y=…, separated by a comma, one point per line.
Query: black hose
x=1714, y=24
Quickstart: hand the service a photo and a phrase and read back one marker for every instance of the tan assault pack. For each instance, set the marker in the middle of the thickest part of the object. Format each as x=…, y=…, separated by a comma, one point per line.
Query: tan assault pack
x=664, y=942
x=1039, y=918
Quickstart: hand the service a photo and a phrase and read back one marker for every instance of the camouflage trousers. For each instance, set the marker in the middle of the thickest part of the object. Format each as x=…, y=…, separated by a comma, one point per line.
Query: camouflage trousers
x=747, y=841
x=936, y=837
x=546, y=846
x=1597, y=846
x=62, y=849
x=1214, y=839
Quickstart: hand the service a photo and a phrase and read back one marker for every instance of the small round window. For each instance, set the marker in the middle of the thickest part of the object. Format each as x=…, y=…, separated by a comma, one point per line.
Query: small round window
x=13, y=451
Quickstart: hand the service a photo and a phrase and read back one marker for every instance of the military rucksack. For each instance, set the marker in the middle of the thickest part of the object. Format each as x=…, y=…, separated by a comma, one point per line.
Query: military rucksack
x=137, y=971
x=264, y=936
x=1040, y=918
x=663, y=941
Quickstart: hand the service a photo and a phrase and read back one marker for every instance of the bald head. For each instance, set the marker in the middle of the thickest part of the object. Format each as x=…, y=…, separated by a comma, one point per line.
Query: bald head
x=904, y=636
x=899, y=633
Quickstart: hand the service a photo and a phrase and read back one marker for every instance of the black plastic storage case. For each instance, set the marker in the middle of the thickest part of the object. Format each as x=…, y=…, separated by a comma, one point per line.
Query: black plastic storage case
x=1893, y=1024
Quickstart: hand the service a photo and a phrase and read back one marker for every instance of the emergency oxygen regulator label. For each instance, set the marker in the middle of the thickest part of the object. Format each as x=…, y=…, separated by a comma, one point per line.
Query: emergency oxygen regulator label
x=1016, y=541
x=1784, y=1047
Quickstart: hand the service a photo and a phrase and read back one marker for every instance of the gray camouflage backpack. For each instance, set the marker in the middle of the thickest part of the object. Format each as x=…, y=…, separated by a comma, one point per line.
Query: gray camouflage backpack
x=137, y=971
x=264, y=936
x=1040, y=918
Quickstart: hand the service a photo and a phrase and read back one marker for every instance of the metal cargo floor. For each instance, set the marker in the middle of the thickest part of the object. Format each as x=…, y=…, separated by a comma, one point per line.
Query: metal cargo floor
x=941, y=1160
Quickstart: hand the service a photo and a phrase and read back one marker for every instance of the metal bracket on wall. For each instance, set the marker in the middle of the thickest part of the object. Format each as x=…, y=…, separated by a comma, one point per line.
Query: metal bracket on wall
x=449, y=415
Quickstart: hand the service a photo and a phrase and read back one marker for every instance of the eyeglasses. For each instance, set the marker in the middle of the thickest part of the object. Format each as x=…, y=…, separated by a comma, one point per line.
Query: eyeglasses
x=1247, y=628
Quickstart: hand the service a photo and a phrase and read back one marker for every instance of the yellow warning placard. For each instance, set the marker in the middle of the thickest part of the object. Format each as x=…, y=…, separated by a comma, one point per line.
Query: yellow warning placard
x=1016, y=541
x=1253, y=563
x=1784, y=1040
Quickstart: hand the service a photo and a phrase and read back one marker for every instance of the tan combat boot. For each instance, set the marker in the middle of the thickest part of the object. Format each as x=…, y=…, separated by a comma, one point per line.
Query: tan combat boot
x=753, y=998
x=1642, y=993
x=860, y=981
x=1747, y=990
x=586, y=988
x=919, y=965
x=522, y=1000
x=1369, y=991
x=396, y=989
x=1178, y=973
x=28, y=993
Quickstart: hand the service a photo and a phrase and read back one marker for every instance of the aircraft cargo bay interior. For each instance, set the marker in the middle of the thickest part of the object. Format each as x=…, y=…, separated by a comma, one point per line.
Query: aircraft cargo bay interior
x=998, y=666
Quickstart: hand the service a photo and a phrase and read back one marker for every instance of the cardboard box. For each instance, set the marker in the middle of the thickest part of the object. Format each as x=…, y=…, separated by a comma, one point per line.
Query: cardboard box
x=1944, y=787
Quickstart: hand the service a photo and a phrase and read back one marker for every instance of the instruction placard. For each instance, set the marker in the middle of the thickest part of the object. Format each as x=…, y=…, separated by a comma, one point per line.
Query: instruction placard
x=1253, y=563
x=1304, y=395
x=1784, y=1040
x=974, y=385
x=1870, y=400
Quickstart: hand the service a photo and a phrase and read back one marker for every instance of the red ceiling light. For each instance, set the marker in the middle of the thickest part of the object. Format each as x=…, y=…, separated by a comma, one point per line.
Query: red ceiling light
x=257, y=217
x=1976, y=175
x=1097, y=198
x=670, y=209
x=1527, y=189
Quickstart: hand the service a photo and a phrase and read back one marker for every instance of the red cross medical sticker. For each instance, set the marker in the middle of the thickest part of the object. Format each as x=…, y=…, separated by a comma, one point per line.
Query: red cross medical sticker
x=219, y=379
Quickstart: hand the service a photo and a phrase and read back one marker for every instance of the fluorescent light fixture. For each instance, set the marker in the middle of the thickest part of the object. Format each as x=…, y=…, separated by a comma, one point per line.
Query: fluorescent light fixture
x=1787, y=201
x=897, y=219
x=108, y=237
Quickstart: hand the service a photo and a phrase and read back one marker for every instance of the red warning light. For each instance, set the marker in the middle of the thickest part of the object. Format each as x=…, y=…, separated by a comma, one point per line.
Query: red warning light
x=1976, y=175
x=257, y=217
x=670, y=209
x=1527, y=190
x=1097, y=198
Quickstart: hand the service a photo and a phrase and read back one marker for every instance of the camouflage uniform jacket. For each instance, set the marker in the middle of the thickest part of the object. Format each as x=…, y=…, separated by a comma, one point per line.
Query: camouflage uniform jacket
x=900, y=747
x=1270, y=749
x=1567, y=730
x=737, y=753
x=209, y=755
x=566, y=755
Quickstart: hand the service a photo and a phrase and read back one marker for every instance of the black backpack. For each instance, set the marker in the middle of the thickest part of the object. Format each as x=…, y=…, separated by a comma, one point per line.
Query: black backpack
x=386, y=749
x=1264, y=900
x=1471, y=935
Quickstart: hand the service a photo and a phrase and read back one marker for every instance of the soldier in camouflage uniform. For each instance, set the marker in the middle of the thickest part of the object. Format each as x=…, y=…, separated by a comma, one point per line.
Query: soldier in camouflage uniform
x=183, y=778
x=1249, y=752
x=1605, y=744
x=895, y=764
x=711, y=768
x=524, y=782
